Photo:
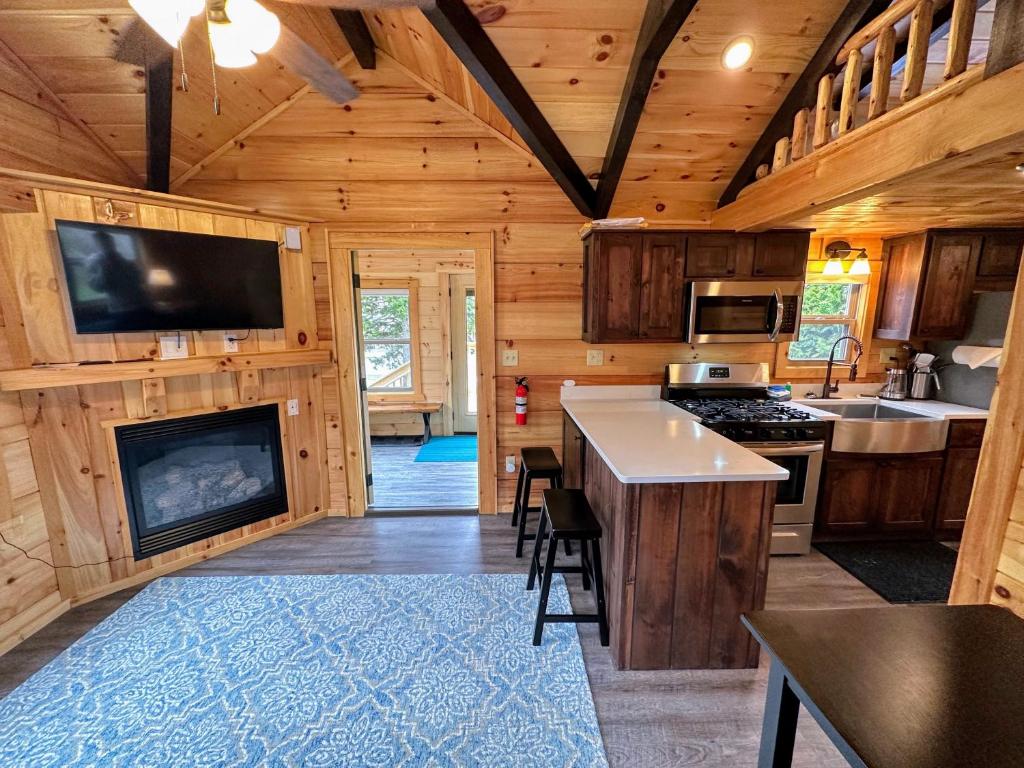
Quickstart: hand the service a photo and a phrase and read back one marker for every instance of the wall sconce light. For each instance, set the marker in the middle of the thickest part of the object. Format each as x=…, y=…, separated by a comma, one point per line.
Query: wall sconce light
x=839, y=248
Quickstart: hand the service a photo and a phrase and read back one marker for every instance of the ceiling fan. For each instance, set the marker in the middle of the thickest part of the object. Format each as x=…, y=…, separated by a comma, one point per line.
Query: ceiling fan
x=238, y=30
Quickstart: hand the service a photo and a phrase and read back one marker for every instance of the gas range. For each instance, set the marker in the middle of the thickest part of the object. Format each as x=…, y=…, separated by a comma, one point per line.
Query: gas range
x=732, y=400
x=753, y=419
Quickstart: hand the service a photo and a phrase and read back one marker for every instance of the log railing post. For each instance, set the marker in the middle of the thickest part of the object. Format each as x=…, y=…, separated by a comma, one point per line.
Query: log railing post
x=851, y=91
x=881, y=73
x=798, y=147
x=917, y=50
x=961, y=30
x=823, y=112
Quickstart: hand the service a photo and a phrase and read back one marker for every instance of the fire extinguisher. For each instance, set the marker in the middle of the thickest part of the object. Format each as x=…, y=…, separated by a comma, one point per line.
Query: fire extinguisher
x=522, y=390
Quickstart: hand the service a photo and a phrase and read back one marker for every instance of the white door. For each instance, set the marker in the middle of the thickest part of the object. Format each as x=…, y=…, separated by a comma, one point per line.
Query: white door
x=464, y=369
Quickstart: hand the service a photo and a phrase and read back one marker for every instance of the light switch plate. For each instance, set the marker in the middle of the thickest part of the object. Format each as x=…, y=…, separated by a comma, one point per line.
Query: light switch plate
x=293, y=238
x=173, y=347
x=510, y=464
x=510, y=357
x=293, y=407
x=230, y=343
x=595, y=357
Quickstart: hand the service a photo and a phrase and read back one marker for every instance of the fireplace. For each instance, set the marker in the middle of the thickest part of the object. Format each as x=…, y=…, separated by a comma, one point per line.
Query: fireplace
x=191, y=478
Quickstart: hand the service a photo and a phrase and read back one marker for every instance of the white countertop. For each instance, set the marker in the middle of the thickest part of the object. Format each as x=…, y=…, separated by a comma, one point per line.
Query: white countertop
x=936, y=408
x=643, y=439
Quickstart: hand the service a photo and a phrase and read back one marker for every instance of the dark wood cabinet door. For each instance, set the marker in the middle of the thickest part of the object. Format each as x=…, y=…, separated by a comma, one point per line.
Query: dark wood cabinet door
x=1001, y=254
x=661, y=287
x=901, y=283
x=847, y=504
x=957, y=485
x=781, y=254
x=945, y=302
x=906, y=493
x=712, y=255
x=619, y=263
x=572, y=453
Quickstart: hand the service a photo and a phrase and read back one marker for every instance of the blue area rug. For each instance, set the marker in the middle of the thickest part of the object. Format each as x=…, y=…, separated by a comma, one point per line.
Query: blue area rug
x=353, y=671
x=455, y=448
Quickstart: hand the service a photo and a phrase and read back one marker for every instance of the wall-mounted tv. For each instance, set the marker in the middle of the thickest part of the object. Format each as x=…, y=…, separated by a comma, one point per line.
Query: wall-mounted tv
x=123, y=279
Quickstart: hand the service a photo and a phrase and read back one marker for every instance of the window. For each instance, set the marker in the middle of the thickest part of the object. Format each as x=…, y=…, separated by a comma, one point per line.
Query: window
x=830, y=311
x=389, y=347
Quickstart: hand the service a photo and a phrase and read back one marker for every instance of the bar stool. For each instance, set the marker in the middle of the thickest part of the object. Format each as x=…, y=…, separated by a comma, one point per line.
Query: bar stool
x=534, y=464
x=567, y=513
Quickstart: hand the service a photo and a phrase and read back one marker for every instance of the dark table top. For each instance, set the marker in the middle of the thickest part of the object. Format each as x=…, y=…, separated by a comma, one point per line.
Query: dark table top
x=932, y=686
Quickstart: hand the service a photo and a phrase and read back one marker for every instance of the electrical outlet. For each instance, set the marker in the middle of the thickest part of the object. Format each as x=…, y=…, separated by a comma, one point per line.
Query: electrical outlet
x=595, y=357
x=230, y=343
x=886, y=354
x=173, y=347
x=510, y=464
x=510, y=357
x=293, y=407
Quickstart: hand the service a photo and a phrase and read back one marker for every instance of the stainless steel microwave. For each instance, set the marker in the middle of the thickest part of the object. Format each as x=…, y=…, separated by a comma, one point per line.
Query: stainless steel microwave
x=723, y=311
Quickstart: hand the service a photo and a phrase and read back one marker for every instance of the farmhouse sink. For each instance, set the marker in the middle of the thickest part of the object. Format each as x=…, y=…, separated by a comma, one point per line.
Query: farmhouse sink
x=882, y=428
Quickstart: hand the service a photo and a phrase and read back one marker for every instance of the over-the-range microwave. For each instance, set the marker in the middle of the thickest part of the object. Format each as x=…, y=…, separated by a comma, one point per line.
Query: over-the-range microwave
x=725, y=311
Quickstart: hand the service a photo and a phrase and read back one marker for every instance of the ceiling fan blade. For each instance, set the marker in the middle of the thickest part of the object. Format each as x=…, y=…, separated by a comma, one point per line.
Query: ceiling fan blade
x=303, y=60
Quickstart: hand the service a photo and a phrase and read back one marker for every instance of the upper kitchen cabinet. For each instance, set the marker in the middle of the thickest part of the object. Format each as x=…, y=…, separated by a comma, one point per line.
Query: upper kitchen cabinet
x=634, y=281
x=781, y=254
x=633, y=287
x=929, y=279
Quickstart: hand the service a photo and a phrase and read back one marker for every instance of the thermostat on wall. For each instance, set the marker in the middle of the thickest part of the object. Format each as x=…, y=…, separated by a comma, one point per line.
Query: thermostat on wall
x=293, y=238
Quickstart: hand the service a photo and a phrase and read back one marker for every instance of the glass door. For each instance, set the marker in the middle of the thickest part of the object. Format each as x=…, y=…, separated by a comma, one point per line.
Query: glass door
x=464, y=369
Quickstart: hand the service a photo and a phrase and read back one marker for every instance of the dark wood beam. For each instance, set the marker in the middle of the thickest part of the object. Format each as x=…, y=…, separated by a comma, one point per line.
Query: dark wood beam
x=464, y=35
x=1006, y=47
x=159, y=96
x=357, y=33
x=805, y=90
x=662, y=20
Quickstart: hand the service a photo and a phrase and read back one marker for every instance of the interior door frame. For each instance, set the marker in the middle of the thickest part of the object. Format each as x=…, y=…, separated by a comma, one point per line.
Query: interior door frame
x=342, y=241
x=458, y=332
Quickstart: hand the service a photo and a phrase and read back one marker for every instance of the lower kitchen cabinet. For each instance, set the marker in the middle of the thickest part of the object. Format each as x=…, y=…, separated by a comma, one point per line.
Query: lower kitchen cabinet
x=884, y=496
x=957, y=485
x=573, y=446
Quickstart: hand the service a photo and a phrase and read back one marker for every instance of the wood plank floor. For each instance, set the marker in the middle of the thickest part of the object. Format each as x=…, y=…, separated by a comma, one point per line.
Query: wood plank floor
x=655, y=719
x=400, y=482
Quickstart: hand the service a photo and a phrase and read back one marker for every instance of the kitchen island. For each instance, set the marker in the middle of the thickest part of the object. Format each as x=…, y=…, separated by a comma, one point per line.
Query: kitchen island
x=686, y=515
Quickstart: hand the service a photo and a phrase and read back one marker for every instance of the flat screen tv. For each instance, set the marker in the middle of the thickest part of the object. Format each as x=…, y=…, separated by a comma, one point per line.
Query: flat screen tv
x=123, y=279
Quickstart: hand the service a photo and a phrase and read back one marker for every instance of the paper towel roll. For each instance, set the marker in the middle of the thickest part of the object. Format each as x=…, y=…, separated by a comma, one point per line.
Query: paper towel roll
x=976, y=357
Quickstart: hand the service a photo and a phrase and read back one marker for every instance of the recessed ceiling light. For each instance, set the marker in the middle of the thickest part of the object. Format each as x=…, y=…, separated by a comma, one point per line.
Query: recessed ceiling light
x=1021, y=167
x=738, y=52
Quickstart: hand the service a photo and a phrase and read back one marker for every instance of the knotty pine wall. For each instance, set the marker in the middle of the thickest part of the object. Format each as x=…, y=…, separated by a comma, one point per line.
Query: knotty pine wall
x=60, y=497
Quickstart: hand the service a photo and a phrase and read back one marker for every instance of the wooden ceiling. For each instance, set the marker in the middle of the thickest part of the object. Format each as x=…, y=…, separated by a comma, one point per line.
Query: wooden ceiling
x=698, y=126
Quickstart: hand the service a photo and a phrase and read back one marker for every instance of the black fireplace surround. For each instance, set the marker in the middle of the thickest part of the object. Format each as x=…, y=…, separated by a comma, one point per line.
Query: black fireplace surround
x=191, y=478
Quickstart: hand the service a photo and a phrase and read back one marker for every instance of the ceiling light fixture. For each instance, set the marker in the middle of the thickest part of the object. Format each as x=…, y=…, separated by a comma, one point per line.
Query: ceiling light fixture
x=738, y=52
x=1021, y=167
x=239, y=30
x=168, y=18
x=834, y=267
x=835, y=252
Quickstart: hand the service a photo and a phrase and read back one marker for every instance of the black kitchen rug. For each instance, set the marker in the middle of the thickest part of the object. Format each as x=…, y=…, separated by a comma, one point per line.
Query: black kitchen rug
x=899, y=571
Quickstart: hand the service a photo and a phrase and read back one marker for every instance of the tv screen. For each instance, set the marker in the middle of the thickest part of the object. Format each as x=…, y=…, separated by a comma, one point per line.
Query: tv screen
x=124, y=279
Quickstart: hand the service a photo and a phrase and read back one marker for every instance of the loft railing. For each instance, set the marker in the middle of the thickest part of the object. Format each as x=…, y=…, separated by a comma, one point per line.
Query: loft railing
x=814, y=128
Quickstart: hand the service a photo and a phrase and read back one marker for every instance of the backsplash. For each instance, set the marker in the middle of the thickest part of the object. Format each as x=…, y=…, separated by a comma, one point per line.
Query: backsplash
x=988, y=327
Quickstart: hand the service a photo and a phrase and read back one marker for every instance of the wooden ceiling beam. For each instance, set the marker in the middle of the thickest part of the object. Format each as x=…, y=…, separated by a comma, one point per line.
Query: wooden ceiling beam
x=460, y=29
x=662, y=21
x=159, y=97
x=804, y=92
x=353, y=26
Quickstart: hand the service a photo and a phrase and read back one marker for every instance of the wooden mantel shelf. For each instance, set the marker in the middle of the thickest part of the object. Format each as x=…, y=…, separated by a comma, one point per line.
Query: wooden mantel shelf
x=71, y=375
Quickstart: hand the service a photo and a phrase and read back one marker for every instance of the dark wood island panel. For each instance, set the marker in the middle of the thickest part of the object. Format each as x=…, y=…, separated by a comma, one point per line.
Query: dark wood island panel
x=683, y=562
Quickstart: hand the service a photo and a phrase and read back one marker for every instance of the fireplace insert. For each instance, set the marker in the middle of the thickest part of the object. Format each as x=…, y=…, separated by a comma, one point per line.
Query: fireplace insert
x=191, y=478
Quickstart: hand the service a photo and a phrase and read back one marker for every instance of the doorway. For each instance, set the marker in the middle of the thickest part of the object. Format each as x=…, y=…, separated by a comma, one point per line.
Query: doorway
x=415, y=332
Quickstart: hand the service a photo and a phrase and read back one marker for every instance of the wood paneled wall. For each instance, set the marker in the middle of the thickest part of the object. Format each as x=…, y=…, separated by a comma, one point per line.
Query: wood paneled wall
x=60, y=494
x=431, y=271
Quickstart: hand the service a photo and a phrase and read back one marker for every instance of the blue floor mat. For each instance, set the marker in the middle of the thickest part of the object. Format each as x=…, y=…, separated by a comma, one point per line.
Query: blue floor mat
x=456, y=448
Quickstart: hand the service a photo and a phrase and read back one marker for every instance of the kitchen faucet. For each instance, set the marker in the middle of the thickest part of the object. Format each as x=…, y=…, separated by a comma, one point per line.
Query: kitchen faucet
x=829, y=387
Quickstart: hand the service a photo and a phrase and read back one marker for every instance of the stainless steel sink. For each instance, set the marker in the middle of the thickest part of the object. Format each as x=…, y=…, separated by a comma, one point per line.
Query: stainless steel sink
x=881, y=428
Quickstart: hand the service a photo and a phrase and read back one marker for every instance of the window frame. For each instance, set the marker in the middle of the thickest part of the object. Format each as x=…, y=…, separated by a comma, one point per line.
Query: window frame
x=852, y=320
x=416, y=371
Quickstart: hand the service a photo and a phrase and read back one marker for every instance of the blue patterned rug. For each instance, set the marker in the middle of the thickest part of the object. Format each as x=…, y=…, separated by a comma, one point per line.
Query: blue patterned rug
x=350, y=671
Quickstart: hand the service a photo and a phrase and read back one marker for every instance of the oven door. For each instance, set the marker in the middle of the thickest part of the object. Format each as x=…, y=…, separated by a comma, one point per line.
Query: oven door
x=743, y=311
x=797, y=497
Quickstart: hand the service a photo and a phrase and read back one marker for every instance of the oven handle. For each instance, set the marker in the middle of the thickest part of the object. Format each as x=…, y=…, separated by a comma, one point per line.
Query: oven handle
x=786, y=450
x=779, y=314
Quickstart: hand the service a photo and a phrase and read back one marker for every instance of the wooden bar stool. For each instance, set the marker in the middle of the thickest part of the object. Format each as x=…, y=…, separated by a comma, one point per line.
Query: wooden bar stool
x=534, y=464
x=566, y=516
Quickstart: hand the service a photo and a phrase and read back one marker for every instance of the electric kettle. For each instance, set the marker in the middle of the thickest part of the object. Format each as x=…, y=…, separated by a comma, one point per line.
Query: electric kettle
x=895, y=384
